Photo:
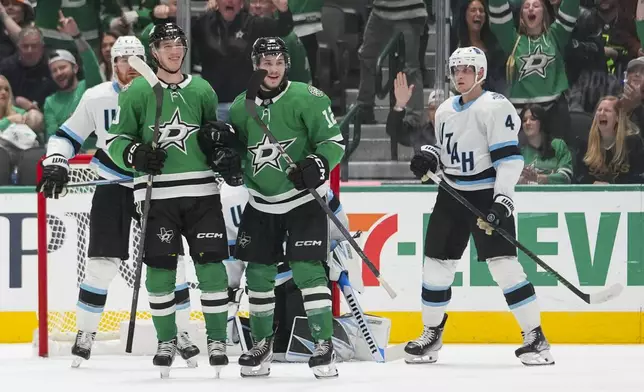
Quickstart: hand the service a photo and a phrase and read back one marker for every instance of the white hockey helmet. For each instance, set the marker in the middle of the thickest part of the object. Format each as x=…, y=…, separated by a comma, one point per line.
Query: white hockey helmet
x=127, y=45
x=470, y=56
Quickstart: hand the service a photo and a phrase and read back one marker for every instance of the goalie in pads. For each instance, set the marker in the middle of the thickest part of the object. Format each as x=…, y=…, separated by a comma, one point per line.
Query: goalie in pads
x=112, y=205
x=479, y=155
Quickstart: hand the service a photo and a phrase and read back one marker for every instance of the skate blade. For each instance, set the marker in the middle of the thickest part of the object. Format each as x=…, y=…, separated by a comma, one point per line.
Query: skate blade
x=77, y=362
x=256, y=371
x=325, y=371
x=430, y=357
x=218, y=369
x=164, y=371
x=192, y=362
x=543, y=358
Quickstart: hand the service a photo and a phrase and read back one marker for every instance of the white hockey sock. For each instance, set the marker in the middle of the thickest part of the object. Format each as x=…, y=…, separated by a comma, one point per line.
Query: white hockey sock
x=92, y=294
x=519, y=293
x=438, y=276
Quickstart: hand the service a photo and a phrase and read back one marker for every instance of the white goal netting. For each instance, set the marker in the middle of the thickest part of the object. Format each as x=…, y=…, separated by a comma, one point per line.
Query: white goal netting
x=67, y=241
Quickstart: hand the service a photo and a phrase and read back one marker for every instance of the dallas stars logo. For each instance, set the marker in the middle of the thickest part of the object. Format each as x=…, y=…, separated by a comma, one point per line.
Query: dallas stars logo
x=536, y=62
x=175, y=132
x=265, y=154
x=165, y=235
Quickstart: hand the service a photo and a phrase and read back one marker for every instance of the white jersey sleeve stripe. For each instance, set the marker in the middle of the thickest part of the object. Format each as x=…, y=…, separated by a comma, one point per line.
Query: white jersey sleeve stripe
x=103, y=167
x=72, y=134
x=504, y=144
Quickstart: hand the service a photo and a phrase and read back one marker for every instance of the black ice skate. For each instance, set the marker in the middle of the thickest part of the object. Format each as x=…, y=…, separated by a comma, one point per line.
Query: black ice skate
x=323, y=360
x=187, y=349
x=425, y=348
x=535, y=350
x=257, y=361
x=165, y=356
x=217, y=355
x=82, y=348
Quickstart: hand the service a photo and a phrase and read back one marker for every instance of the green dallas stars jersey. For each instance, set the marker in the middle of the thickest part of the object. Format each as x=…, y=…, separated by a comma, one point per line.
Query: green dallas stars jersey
x=539, y=70
x=185, y=107
x=302, y=120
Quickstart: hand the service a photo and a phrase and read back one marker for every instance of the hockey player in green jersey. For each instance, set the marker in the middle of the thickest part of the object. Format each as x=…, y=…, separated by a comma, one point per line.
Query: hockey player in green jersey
x=280, y=207
x=535, y=66
x=185, y=199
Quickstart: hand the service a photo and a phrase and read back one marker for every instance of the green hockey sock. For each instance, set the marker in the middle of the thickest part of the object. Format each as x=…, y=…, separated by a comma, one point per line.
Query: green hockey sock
x=260, y=279
x=160, y=284
x=213, y=283
x=311, y=279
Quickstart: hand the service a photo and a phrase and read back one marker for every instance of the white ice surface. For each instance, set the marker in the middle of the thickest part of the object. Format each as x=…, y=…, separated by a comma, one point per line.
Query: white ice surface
x=471, y=368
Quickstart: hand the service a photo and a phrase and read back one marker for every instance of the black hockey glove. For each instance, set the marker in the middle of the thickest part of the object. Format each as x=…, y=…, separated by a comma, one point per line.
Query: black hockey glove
x=425, y=160
x=217, y=133
x=55, y=175
x=143, y=158
x=501, y=209
x=227, y=163
x=309, y=173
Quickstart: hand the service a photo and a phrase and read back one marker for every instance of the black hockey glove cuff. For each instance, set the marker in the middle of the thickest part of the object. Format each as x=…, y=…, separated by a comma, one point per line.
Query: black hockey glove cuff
x=55, y=175
x=425, y=160
x=227, y=163
x=143, y=158
x=310, y=172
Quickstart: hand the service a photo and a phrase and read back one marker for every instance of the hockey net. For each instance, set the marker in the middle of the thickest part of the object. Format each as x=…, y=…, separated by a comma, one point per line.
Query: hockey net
x=63, y=231
x=63, y=241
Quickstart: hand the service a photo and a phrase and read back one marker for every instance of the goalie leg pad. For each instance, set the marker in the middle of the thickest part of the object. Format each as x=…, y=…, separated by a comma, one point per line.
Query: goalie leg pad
x=235, y=270
x=438, y=276
x=260, y=279
x=310, y=278
x=519, y=293
x=160, y=284
x=92, y=295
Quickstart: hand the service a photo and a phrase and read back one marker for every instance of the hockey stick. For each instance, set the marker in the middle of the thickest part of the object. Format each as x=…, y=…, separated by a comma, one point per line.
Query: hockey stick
x=141, y=67
x=251, y=92
x=377, y=353
x=596, y=298
x=99, y=182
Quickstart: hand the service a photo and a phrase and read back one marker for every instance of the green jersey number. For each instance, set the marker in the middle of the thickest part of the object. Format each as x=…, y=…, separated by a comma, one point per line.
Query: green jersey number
x=330, y=118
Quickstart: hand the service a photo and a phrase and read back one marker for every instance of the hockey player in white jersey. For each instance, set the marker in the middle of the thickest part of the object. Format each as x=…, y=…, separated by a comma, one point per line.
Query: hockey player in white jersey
x=112, y=205
x=478, y=154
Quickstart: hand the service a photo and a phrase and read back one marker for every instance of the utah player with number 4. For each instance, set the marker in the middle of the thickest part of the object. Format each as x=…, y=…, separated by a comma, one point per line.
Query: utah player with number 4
x=185, y=196
x=479, y=156
x=112, y=205
x=280, y=206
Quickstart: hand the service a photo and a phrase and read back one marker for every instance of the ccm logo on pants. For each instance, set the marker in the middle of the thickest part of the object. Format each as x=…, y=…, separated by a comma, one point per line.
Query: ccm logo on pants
x=210, y=235
x=308, y=243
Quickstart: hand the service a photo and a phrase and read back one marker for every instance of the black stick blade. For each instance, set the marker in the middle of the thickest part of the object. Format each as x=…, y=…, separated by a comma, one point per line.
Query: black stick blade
x=254, y=82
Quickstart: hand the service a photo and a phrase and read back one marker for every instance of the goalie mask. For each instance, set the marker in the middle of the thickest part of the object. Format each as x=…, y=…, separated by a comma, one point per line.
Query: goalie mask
x=472, y=57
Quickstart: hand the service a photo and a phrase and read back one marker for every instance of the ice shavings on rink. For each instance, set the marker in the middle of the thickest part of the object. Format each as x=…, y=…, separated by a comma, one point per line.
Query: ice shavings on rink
x=464, y=368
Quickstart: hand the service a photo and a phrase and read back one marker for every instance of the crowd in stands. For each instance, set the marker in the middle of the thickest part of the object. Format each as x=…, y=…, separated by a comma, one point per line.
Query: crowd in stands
x=574, y=69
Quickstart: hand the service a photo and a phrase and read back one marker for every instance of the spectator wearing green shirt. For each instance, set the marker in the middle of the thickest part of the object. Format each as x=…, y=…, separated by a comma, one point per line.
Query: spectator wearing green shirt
x=300, y=70
x=91, y=15
x=547, y=160
x=64, y=70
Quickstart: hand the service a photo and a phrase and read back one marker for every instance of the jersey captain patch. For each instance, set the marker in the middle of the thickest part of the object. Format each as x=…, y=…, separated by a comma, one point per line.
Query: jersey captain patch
x=175, y=132
x=536, y=62
x=315, y=91
x=265, y=154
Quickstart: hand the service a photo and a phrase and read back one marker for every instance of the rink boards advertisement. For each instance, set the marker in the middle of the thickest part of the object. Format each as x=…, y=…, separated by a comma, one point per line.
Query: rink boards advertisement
x=592, y=235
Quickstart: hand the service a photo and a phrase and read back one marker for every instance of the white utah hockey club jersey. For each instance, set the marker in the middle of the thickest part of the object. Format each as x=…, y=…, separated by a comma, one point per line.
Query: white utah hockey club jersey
x=94, y=114
x=479, y=144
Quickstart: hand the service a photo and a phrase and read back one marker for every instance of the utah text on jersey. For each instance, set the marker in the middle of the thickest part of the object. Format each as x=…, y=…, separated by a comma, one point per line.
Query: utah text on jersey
x=475, y=138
